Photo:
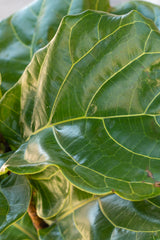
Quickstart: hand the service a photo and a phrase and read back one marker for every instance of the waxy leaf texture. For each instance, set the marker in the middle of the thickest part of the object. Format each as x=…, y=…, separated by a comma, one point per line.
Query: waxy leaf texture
x=108, y=217
x=23, y=229
x=80, y=113
x=15, y=195
x=88, y=103
x=52, y=192
x=22, y=34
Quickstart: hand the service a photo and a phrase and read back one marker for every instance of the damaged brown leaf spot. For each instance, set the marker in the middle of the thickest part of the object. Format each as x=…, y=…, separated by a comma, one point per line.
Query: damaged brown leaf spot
x=157, y=184
x=149, y=174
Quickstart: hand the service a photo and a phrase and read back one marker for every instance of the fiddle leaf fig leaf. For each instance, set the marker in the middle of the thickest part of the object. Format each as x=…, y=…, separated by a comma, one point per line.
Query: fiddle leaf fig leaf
x=4, y=208
x=22, y=229
x=17, y=192
x=30, y=29
x=148, y=10
x=94, y=113
x=82, y=121
x=51, y=193
x=46, y=174
x=108, y=217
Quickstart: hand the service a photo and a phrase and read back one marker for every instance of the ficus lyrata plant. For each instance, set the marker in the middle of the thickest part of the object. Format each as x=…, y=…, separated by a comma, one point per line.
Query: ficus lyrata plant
x=80, y=121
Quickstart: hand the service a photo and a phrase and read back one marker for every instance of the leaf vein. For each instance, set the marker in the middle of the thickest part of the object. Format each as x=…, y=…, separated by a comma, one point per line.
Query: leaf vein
x=139, y=154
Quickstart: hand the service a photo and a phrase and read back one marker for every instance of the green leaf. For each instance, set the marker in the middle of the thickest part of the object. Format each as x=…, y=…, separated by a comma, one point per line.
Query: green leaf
x=80, y=113
x=65, y=221
x=3, y=158
x=108, y=217
x=9, y=117
x=23, y=229
x=148, y=9
x=32, y=28
x=51, y=192
x=0, y=86
x=27, y=31
x=16, y=190
x=46, y=174
x=4, y=208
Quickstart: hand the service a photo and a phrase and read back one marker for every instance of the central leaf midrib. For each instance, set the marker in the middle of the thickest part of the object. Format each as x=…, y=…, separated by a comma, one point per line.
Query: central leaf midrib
x=72, y=66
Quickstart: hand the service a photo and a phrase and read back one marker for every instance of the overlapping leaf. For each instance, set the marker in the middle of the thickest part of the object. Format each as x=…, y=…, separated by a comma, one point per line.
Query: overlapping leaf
x=88, y=104
x=81, y=98
x=148, y=9
x=32, y=28
x=15, y=194
x=109, y=217
x=51, y=192
x=87, y=216
x=23, y=229
x=3, y=158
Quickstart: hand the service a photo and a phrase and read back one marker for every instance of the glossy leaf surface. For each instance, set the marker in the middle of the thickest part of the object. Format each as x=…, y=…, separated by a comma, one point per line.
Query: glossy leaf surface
x=32, y=28
x=86, y=116
x=86, y=109
x=3, y=158
x=77, y=112
x=51, y=192
x=147, y=9
x=108, y=218
x=23, y=229
x=15, y=200
x=46, y=174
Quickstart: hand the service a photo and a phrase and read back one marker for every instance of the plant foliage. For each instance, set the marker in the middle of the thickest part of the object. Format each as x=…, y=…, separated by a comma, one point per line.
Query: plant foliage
x=80, y=121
